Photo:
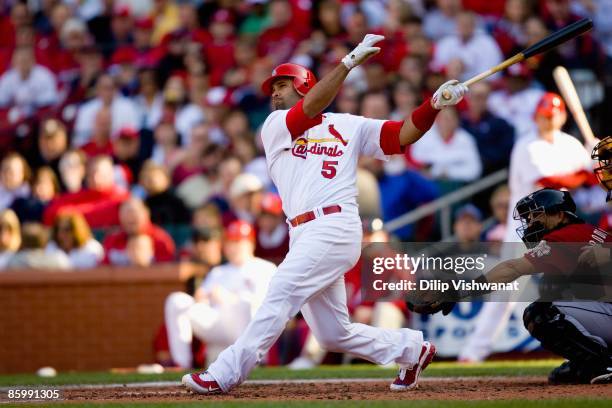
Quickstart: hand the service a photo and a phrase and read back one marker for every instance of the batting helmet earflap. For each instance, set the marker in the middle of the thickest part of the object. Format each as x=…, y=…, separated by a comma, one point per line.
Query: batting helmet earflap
x=303, y=78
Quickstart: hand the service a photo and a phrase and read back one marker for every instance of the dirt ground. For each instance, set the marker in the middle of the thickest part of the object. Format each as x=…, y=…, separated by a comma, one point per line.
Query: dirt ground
x=430, y=389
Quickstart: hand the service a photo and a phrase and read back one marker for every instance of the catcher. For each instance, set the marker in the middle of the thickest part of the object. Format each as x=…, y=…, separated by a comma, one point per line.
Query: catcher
x=580, y=331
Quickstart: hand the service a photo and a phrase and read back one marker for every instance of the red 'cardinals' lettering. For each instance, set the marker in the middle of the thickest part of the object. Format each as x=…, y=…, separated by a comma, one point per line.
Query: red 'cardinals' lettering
x=301, y=148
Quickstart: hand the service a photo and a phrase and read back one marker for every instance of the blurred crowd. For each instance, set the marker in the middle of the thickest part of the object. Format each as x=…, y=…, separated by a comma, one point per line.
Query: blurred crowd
x=129, y=129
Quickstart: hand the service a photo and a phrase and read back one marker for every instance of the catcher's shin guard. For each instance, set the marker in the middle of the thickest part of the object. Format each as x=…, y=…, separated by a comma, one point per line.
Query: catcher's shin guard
x=546, y=323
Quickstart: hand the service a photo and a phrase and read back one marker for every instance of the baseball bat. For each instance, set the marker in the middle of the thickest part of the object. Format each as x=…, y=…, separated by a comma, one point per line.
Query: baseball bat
x=546, y=44
x=568, y=91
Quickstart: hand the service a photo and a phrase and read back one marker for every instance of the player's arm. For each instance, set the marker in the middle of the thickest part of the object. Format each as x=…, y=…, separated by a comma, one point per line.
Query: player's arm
x=508, y=271
x=324, y=92
x=423, y=117
x=432, y=302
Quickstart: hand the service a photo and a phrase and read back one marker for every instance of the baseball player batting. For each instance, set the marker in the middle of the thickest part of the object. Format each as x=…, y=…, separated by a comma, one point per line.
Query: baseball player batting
x=312, y=159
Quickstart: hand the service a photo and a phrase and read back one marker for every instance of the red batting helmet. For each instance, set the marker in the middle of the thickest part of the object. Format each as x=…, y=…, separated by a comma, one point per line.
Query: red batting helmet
x=303, y=79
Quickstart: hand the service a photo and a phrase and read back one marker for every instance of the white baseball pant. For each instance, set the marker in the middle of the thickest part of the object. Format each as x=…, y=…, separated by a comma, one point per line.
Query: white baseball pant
x=186, y=318
x=312, y=278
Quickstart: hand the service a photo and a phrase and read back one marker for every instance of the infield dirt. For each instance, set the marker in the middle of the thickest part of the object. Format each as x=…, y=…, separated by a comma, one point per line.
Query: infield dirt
x=483, y=388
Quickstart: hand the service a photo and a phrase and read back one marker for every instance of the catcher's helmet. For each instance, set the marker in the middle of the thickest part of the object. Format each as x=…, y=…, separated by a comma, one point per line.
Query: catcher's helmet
x=303, y=79
x=544, y=201
x=602, y=152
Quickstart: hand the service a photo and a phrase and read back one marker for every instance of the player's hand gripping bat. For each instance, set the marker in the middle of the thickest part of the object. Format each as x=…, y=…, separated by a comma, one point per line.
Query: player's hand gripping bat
x=557, y=38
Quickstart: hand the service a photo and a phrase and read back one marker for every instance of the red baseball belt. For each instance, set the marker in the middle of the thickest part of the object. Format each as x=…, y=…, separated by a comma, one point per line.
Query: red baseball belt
x=311, y=215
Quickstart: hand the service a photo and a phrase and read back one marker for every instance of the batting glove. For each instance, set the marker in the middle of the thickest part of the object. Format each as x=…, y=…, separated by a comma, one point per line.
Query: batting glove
x=363, y=51
x=448, y=94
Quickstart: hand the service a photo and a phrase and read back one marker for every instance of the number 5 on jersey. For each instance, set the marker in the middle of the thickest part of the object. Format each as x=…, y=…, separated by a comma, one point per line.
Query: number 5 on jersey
x=328, y=169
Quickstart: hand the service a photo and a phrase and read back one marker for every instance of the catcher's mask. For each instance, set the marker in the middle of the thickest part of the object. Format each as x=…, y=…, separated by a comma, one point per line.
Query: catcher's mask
x=602, y=152
x=533, y=209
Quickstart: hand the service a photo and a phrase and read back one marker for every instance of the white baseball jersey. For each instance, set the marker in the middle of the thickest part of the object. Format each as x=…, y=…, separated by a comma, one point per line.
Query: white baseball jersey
x=249, y=281
x=532, y=159
x=313, y=162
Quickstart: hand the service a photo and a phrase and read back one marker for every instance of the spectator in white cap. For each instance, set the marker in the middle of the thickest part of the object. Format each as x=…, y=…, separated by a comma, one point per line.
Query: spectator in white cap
x=245, y=195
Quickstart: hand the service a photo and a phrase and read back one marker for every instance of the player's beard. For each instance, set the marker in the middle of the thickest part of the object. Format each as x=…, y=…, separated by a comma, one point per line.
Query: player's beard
x=278, y=104
x=285, y=102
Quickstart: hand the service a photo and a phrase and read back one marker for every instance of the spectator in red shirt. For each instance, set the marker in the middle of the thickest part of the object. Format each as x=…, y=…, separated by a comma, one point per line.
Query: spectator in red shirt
x=135, y=220
x=280, y=39
x=20, y=17
x=220, y=50
x=147, y=55
x=99, y=202
x=509, y=31
x=272, y=240
x=101, y=135
x=126, y=154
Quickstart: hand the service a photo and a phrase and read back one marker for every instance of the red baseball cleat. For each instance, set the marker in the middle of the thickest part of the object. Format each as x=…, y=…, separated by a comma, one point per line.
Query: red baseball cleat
x=408, y=378
x=201, y=383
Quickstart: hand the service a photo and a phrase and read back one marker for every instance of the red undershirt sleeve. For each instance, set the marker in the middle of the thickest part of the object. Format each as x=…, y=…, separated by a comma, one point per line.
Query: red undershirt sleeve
x=572, y=180
x=298, y=122
x=389, y=137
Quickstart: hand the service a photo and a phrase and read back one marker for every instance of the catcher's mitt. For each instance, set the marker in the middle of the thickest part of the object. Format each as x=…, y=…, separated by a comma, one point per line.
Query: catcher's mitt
x=431, y=308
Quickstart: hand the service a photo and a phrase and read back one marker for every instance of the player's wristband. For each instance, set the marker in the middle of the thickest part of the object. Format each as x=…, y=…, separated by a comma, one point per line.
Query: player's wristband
x=423, y=117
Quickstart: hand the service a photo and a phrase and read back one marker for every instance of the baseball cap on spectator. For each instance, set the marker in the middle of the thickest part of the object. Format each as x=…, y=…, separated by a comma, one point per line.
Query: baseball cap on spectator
x=245, y=183
x=127, y=133
x=217, y=96
x=122, y=10
x=144, y=23
x=549, y=104
x=239, y=230
x=271, y=204
x=223, y=16
x=469, y=210
x=194, y=190
x=73, y=25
